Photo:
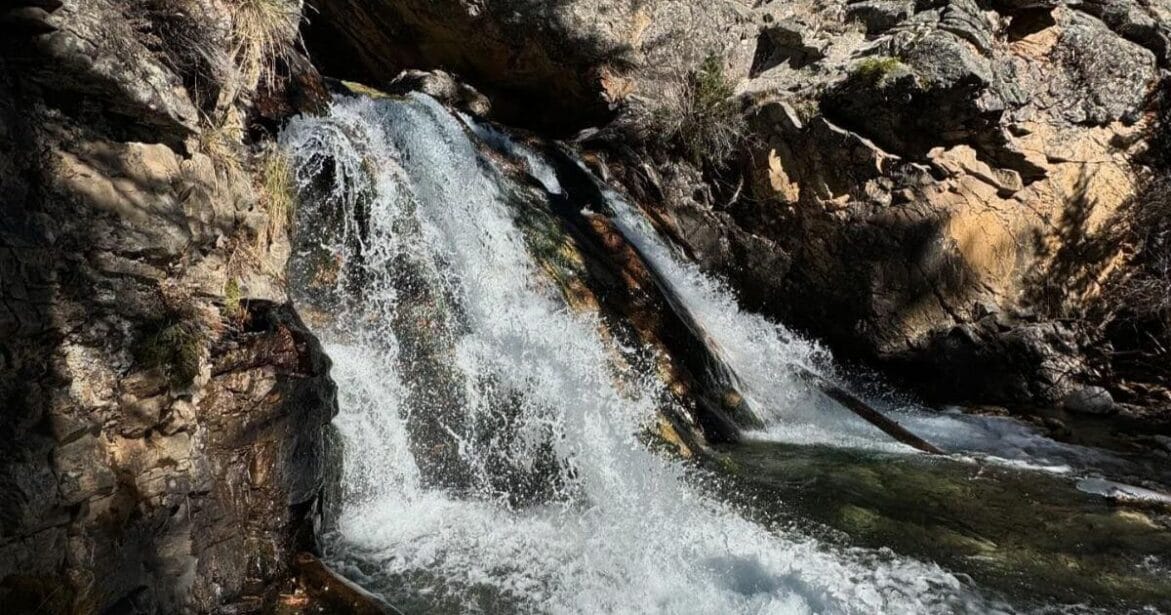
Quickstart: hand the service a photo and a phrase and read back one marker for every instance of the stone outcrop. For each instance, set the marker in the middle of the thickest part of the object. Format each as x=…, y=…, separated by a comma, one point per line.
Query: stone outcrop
x=163, y=411
x=928, y=179
x=934, y=182
x=558, y=65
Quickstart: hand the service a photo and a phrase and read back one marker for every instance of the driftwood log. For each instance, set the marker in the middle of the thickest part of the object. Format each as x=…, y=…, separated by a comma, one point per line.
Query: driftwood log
x=867, y=412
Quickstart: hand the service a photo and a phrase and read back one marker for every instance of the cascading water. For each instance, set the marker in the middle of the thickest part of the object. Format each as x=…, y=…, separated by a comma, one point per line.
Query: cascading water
x=768, y=360
x=492, y=460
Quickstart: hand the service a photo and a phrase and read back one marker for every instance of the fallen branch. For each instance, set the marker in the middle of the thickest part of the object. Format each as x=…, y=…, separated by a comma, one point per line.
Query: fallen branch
x=864, y=410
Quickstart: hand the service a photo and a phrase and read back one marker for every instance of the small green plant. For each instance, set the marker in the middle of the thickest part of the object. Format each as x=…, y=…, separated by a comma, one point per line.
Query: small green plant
x=876, y=69
x=175, y=348
x=280, y=195
x=233, y=306
x=702, y=117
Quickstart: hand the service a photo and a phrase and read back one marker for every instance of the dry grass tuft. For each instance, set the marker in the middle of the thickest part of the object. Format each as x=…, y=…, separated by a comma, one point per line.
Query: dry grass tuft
x=263, y=32
x=191, y=41
x=279, y=192
x=223, y=142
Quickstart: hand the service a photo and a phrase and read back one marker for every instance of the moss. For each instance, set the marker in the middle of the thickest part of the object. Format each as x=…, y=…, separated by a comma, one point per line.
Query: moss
x=361, y=89
x=727, y=464
x=175, y=348
x=876, y=69
x=233, y=308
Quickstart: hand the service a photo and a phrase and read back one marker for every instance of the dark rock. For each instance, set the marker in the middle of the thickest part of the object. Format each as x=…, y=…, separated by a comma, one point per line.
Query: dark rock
x=880, y=15
x=91, y=52
x=443, y=87
x=933, y=90
x=554, y=65
x=298, y=88
x=1089, y=400
x=1145, y=23
x=1104, y=77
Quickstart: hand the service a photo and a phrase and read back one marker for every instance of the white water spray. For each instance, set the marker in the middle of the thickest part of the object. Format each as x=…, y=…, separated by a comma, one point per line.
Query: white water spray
x=625, y=532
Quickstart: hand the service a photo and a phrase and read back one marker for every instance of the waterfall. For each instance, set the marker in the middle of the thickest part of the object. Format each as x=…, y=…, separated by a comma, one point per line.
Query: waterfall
x=492, y=458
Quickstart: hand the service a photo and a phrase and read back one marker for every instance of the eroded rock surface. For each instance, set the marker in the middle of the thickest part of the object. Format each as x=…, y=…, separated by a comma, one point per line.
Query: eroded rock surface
x=558, y=65
x=163, y=411
x=932, y=177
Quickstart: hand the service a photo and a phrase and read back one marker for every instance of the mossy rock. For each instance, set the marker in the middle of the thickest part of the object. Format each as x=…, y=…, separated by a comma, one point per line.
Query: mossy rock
x=175, y=348
x=877, y=69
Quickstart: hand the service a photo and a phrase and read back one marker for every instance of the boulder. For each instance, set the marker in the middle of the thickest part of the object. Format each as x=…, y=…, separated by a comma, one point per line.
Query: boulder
x=1089, y=400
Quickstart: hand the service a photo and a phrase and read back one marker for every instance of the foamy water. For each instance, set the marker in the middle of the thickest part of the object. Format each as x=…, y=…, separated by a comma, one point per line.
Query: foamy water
x=622, y=530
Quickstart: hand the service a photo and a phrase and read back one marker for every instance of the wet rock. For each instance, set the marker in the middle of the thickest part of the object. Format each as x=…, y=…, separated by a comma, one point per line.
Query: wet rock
x=443, y=87
x=1089, y=400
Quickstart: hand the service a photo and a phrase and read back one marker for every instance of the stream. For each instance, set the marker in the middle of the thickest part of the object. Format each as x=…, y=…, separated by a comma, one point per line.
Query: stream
x=514, y=429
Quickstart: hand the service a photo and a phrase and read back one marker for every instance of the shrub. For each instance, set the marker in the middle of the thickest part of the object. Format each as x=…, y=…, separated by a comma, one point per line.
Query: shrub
x=1133, y=315
x=175, y=348
x=701, y=117
x=233, y=306
x=1147, y=289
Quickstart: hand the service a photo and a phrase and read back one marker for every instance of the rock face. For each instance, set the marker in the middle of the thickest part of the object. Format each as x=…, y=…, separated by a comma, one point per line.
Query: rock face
x=163, y=432
x=936, y=176
x=938, y=179
x=556, y=65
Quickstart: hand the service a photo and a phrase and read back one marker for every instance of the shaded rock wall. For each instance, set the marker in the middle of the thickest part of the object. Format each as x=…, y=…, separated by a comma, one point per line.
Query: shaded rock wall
x=163, y=412
x=559, y=65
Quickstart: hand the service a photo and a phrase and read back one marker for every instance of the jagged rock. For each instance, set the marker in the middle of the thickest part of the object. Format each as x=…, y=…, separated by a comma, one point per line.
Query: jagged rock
x=1104, y=78
x=1145, y=23
x=923, y=175
x=880, y=15
x=557, y=65
x=124, y=488
x=84, y=54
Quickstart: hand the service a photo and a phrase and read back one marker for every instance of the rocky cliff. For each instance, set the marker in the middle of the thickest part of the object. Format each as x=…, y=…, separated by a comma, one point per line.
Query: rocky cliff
x=163, y=411
x=938, y=188
x=964, y=193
